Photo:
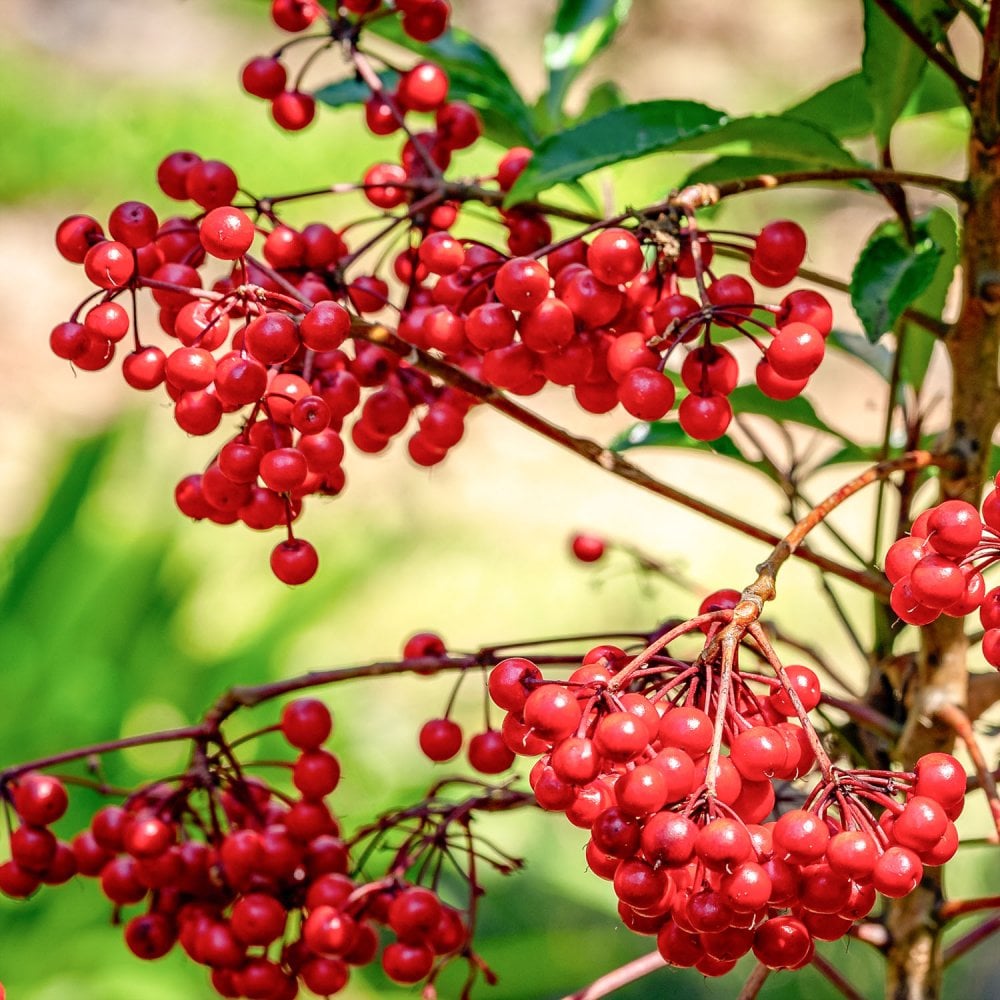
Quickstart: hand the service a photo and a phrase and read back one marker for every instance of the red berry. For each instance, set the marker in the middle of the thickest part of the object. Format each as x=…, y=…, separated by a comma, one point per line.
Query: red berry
x=109, y=264
x=226, y=233
x=423, y=88
x=294, y=561
x=488, y=753
x=39, y=799
x=264, y=76
x=440, y=739
x=306, y=723
x=588, y=548
x=293, y=110
x=615, y=256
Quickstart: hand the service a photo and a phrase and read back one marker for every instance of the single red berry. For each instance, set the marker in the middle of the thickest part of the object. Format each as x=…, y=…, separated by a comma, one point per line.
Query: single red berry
x=488, y=753
x=294, y=561
x=133, y=223
x=40, y=799
x=306, y=723
x=293, y=110
x=423, y=88
x=226, y=232
x=109, y=264
x=440, y=739
x=705, y=418
x=615, y=256
x=264, y=76
x=587, y=548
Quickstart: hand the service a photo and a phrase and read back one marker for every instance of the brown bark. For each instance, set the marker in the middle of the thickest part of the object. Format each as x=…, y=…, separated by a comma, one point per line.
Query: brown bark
x=915, y=966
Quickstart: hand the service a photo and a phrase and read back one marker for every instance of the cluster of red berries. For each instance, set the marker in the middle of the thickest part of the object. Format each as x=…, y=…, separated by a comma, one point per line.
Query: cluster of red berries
x=254, y=886
x=267, y=78
x=693, y=857
x=938, y=568
x=287, y=342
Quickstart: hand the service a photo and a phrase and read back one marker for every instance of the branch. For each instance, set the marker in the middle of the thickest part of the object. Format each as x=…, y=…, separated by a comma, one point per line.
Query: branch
x=966, y=85
x=595, y=453
x=966, y=943
x=701, y=195
x=951, y=909
x=831, y=973
x=619, y=977
x=986, y=108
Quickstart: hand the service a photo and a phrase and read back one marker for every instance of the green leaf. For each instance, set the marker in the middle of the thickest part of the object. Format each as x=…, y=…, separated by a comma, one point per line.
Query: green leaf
x=891, y=63
x=730, y=168
x=669, y=434
x=678, y=126
x=476, y=76
x=749, y=399
x=582, y=28
x=606, y=96
x=875, y=356
x=844, y=107
x=890, y=274
x=353, y=90
x=915, y=342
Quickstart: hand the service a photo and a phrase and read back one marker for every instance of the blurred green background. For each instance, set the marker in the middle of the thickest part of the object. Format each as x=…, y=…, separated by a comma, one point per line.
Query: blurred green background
x=119, y=617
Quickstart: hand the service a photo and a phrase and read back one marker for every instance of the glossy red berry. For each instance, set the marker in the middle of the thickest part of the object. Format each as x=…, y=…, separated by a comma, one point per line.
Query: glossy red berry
x=306, y=723
x=294, y=561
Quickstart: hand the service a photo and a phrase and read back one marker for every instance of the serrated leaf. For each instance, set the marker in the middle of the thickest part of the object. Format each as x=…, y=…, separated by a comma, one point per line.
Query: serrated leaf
x=916, y=343
x=581, y=29
x=676, y=126
x=353, y=90
x=890, y=274
x=476, y=76
x=891, y=63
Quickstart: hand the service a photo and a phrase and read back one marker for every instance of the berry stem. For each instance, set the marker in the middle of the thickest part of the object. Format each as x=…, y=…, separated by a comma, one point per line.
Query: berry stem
x=754, y=982
x=825, y=764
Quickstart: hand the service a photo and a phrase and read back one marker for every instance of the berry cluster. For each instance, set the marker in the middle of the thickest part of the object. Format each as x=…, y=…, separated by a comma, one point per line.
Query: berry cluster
x=251, y=882
x=938, y=568
x=288, y=340
x=675, y=770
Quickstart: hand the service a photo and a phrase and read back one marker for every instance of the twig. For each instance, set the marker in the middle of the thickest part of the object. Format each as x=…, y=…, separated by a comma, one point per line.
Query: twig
x=619, y=977
x=831, y=973
x=968, y=941
x=754, y=982
x=953, y=716
x=951, y=909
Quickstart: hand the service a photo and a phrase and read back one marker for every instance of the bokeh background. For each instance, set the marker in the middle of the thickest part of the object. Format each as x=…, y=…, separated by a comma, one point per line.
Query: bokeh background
x=118, y=617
